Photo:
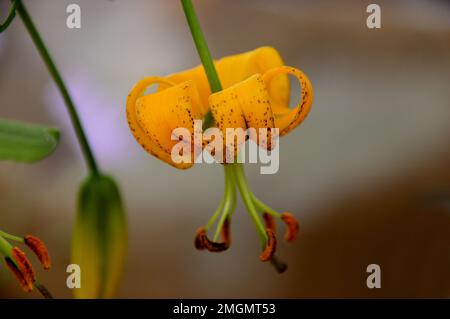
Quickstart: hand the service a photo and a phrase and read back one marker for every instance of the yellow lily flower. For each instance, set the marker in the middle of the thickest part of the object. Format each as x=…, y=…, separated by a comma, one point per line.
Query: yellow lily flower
x=153, y=117
x=255, y=95
x=258, y=77
x=239, y=67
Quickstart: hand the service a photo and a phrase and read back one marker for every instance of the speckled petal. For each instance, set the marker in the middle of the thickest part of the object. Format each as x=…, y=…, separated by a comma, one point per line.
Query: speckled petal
x=153, y=117
x=237, y=68
x=286, y=119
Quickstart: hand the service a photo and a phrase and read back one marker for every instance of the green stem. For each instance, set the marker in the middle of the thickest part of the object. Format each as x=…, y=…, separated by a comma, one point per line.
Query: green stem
x=10, y=17
x=247, y=198
x=221, y=205
x=263, y=207
x=84, y=144
x=203, y=52
x=5, y=248
x=230, y=203
x=12, y=237
x=233, y=188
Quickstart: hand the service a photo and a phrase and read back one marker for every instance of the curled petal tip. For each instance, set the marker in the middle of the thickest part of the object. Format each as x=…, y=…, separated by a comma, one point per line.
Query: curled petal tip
x=271, y=246
x=40, y=250
x=292, y=226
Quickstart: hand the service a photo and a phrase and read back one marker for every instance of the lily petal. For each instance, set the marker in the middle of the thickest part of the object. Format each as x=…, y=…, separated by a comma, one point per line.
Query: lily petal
x=153, y=117
x=286, y=119
x=244, y=105
x=237, y=68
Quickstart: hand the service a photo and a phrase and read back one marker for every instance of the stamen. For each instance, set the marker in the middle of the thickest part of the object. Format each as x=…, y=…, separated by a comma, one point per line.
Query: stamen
x=292, y=226
x=270, y=222
x=271, y=246
x=44, y=291
x=215, y=247
x=24, y=266
x=19, y=275
x=199, y=238
x=202, y=242
x=226, y=236
x=280, y=266
x=39, y=248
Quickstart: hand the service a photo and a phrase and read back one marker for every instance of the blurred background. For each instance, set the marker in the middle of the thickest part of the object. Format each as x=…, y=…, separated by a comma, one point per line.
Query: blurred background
x=367, y=174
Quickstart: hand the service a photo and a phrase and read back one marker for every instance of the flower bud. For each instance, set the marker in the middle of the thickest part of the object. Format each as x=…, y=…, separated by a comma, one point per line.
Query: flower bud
x=99, y=238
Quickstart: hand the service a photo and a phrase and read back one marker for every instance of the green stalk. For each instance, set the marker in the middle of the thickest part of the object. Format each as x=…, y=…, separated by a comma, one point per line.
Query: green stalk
x=263, y=207
x=203, y=52
x=221, y=205
x=247, y=198
x=230, y=204
x=10, y=17
x=5, y=248
x=40, y=46
x=11, y=237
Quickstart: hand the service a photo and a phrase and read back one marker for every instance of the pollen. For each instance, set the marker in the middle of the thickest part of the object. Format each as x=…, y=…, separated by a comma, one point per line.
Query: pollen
x=271, y=246
x=202, y=241
x=226, y=236
x=270, y=222
x=292, y=226
x=199, y=239
x=39, y=248
x=24, y=266
x=19, y=275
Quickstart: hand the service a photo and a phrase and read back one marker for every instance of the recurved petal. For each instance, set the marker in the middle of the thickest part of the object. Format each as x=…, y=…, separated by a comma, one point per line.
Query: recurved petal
x=154, y=117
x=286, y=119
x=236, y=68
x=254, y=101
x=244, y=105
x=198, y=76
x=239, y=67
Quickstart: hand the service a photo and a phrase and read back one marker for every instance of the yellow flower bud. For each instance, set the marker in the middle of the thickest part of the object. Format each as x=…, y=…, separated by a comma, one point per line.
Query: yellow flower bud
x=99, y=238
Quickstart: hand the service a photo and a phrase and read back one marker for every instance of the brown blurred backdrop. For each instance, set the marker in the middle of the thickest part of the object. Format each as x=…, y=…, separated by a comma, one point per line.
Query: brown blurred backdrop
x=367, y=173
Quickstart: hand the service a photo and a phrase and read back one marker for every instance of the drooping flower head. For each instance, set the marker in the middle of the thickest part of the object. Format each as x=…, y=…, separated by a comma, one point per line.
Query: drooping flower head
x=255, y=95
